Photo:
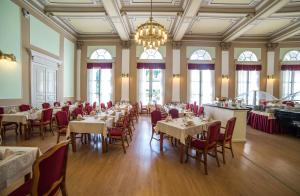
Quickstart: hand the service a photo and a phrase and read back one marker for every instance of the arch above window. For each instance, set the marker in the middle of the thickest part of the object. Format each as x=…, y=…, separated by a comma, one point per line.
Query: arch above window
x=101, y=54
x=247, y=55
x=200, y=55
x=292, y=55
x=151, y=54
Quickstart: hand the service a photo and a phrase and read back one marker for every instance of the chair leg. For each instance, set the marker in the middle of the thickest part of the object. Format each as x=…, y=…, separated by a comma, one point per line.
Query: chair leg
x=231, y=149
x=217, y=158
x=151, y=136
x=126, y=140
x=223, y=153
x=122, y=139
x=63, y=189
x=205, y=163
x=58, y=135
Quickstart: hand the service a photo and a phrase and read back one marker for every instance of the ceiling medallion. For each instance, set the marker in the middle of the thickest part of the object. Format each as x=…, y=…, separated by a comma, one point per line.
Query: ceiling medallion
x=151, y=34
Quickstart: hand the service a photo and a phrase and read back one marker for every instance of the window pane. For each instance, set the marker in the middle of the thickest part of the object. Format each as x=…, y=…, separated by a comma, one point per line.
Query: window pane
x=297, y=81
x=207, y=86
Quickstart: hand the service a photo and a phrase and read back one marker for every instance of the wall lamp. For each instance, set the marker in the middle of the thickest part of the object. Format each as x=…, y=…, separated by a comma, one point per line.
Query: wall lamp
x=225, y=77
x=125, y=75
x=8, y=57
x=176, y=75
x=270, y=77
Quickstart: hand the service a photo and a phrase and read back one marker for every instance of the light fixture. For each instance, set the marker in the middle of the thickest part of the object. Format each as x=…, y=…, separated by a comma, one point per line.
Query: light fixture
x=151, y=34
x=8, y=57
x=176, y=75
x=225, y=77
x=124, y=75
x=270, y=77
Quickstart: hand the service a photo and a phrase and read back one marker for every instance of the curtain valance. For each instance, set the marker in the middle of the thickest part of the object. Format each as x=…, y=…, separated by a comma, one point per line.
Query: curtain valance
x=99, y=65
x=151, y=66
x=248, y=67
x=194, y=66
x=290, y=67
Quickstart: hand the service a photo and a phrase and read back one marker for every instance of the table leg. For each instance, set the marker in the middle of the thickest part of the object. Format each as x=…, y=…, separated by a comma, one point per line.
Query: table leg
x=27, y=177
x=26, y=131
x=181, y=152
x=73, y=141
x=104, y=149
x=161, y=140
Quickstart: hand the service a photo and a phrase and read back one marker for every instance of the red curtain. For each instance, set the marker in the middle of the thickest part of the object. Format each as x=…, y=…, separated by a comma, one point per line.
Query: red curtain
x=248, y=67
x=99, y=65
x=192, y=66
x=151, y=66
x=290, y=67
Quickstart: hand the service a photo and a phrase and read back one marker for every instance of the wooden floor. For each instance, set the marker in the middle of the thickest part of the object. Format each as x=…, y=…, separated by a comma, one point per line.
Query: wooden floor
x=265, y=165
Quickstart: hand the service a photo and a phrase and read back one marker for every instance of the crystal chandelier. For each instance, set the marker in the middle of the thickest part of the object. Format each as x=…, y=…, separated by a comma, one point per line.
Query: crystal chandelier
x=151, y=34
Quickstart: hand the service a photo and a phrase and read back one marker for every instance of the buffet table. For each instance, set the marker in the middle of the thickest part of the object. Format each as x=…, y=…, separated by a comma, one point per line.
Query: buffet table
x=223, y=114
x=263, y=121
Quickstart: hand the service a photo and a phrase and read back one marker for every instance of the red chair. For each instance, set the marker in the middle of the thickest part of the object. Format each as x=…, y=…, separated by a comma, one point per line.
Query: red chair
x=109, y=104
x=56, y=104
x=120, y=132
x=62, y=121
x=7, y=125
x=143, y=108
x=94, y=105
x=187, y=106
x=76, y=112
x=102, y=105
x=24, y=107
x=49, y=173
x=201, y=111
x=46, y=105
x=195, y=110
x=88, y=109
x=226, y=137
x=204, y=146
x=46, y=119
x=155, y=117
x=174, y=113
x=87, y=104
x=69, y=102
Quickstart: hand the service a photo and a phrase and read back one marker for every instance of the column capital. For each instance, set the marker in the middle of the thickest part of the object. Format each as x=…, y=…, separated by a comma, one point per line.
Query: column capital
x=271, y=46
x=125, y=44
x=225, y=45
x=79, y=44
x=176, y=44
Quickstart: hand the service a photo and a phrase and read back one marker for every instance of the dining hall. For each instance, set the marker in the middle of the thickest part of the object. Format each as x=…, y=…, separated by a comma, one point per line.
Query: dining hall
x=150, y=97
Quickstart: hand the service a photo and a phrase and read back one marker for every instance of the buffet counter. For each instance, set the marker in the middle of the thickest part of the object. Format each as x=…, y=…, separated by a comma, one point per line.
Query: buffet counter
x=263, y=121
x=225, y=113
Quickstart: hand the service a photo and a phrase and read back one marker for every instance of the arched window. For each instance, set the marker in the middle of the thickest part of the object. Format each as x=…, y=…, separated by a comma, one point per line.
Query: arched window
x=292, y=55
x=101, y=54
x=201, y=77
x=290, y=74
x=100, y=77
x=151, y=54
x=247, y=56
x=151, y=78
x=247, y=76
x=201, y=55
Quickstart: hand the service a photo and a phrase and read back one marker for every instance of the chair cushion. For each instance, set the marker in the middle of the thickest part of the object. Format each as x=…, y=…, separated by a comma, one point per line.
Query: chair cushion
x=24, y=189
x=115, y=132
x=199, y=144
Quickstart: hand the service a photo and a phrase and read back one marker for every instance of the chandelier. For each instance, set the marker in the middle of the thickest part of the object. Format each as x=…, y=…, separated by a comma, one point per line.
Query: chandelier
x=151, y=34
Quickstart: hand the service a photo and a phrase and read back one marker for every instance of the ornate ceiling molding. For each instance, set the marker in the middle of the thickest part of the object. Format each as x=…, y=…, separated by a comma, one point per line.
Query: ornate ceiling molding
x=176, y=44
x=271, y=46
x=225, y=45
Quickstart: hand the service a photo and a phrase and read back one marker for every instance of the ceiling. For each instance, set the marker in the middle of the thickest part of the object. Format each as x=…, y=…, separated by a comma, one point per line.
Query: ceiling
x=223, y=20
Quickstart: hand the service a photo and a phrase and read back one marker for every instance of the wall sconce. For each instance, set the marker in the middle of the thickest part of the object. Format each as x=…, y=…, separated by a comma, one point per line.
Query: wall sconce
x=124, y=75
x=8, y=57
x=270, y=77
x=225, y=77
x=176, y=75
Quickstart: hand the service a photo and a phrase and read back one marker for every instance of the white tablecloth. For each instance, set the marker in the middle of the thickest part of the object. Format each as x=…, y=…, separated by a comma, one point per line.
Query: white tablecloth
x=90, y=125
x=177, y=129
x=21, y=117
x=17, y=165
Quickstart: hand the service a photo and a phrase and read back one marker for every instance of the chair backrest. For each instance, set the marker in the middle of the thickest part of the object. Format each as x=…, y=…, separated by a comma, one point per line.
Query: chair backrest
x=47, y=115
x=24, y=107
x=192, y=107
x=46, y=105
x=95, y=105
x=195, y=109
x=62, y=119
x=1, y=110
x=88, y=109
x=213, y=134
x=69, y=102
x=155, y=116
x=174, y=113
x=187, y=106
x=56, y=104
x=55, y=161
x=66, y=109
x=109, y=104
x=201, y=110
x=102, y=105
x=229, y=128
x=80, y=105
x=77, y=111
x=87, y=104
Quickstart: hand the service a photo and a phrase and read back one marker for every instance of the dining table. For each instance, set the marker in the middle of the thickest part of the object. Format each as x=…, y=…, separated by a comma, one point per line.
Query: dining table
x=180, y=129
x=16, y=164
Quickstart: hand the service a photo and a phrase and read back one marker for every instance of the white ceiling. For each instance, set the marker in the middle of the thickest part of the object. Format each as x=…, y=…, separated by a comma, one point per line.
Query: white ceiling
x=182, y=18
